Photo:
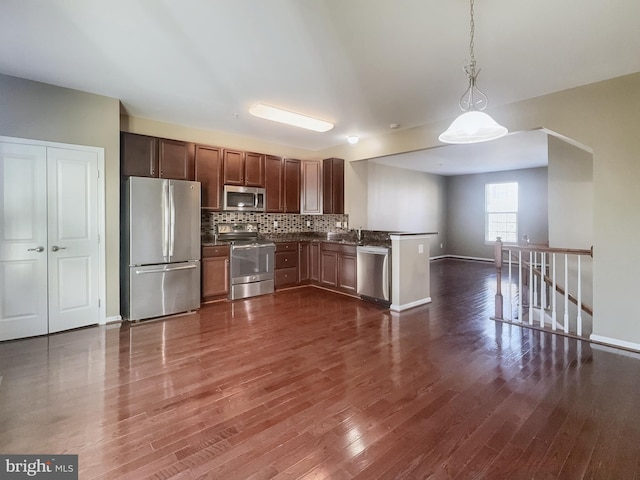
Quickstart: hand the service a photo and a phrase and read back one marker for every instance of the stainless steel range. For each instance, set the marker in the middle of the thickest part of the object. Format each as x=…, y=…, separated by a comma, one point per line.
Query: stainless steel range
x=252, y=260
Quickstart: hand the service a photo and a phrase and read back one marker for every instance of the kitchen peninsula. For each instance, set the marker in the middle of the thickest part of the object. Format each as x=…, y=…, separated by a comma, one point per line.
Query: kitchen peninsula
x=328, y=259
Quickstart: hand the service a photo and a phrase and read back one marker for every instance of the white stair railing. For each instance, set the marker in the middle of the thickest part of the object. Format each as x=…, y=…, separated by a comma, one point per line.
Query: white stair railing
x=544, y=274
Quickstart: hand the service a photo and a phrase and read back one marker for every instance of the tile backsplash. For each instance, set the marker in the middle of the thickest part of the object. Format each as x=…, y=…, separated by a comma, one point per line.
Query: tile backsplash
x=286, y=223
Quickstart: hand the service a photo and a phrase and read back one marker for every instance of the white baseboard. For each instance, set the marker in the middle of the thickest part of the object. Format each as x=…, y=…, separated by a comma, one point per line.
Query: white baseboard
x=407, y=306
x=615, y=342
x=113, y=319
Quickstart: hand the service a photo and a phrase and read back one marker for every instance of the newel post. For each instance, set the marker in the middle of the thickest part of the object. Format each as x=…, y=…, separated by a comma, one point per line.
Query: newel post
x=497, y=254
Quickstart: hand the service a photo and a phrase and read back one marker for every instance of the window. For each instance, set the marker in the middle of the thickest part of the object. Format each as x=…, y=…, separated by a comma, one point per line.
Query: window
x=501, y=212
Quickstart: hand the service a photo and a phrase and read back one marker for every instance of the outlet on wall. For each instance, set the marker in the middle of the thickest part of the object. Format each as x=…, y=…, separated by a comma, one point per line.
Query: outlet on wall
x=338, y=224
x=275, y=223
x=308, y=223
x=420, y=248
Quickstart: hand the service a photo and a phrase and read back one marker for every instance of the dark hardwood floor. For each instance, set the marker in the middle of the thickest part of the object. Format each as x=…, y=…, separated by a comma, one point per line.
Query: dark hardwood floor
x=311, y=384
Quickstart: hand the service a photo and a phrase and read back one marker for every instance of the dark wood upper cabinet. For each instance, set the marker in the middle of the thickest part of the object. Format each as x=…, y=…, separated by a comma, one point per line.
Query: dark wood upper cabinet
x=138, y=155
x=274, y=187
x=311, y=187
x=254, y=169
x=208, y=166
x=175, y=159
x=243, y=168
x=333, y=185
x=291, y=185
x=233, y=167
x=145, y=156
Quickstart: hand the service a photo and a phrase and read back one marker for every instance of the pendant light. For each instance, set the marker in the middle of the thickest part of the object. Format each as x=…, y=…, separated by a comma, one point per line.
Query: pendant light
x=473, y=125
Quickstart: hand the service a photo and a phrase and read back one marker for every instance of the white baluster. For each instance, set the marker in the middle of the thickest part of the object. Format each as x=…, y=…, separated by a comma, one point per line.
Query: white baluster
x=520, y=294
x=566, y=293
x=579, y=319
x=530, y=288
x=510, y=317
x=554, y=323
x=543, y=299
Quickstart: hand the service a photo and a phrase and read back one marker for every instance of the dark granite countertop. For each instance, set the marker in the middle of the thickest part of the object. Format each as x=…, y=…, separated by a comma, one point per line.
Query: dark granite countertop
x=372, y=238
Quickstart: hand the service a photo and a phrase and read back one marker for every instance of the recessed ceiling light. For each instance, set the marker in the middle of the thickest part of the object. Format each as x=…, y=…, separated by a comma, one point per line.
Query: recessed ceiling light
x=290, y=118
x=353, y=139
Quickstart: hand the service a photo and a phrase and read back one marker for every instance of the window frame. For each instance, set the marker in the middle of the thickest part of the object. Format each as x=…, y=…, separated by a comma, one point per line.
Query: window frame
x=507, y=212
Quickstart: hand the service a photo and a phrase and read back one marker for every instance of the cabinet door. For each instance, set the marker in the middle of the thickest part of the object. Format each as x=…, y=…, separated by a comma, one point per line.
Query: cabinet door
x=175, y=160
x=208, y=162
x=215, y=276
x=329, y=268
x=291, y=186
x=333, y=185
x=314, y=262
x=138, y=155
x=233, y=167
x=311, y=187
x=347, y=277
x=303, y=262
x=253, y=169
x=273, y=184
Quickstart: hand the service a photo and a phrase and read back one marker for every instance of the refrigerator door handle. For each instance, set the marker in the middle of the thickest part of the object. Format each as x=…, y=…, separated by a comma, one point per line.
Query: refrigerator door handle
x=164, y=270
x=172, y=220
x=165, y=220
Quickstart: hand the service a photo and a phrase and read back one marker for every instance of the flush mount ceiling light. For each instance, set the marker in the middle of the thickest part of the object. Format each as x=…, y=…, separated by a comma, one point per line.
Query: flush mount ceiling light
x=473, y=125
x=283, y=116
x=353, y=139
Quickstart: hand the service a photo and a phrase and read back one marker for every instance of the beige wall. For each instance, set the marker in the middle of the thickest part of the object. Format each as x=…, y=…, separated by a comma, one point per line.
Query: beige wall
x=44, y=112
x=402, y=200
x=570, y=190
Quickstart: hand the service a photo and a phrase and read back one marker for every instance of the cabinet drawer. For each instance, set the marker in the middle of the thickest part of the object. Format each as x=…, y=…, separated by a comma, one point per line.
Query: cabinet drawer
x=287, y=247
x=286, y=259
x=286, y=276
x=217, y=251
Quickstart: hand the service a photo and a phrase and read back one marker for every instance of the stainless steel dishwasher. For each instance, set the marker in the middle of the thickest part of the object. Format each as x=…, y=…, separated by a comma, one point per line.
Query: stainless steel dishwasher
x=374, y=274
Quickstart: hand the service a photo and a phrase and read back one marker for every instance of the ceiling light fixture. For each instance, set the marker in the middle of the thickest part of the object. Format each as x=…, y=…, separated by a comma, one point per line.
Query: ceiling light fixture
x=283, y=116
x=473, y=125
x=353, y=139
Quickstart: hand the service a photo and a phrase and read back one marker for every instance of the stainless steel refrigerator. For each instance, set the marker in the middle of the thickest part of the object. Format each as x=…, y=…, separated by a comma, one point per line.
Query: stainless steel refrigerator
x=160, y=248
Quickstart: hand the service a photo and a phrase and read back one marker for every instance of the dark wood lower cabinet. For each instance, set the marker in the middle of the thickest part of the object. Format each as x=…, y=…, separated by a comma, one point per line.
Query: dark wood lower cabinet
x=314, y=262
x=303, y=262
x=338, y=267
x=215, y=273
x=286, y=271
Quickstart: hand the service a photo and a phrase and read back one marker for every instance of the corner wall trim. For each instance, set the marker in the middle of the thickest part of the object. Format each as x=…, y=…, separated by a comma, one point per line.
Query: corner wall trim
x=615, y=342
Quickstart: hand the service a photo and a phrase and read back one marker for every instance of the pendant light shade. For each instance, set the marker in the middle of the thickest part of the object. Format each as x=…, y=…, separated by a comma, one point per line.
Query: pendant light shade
x=473, y=127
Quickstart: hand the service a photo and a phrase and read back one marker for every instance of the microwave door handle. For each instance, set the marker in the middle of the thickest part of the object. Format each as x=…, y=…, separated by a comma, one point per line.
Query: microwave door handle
x=255, y=200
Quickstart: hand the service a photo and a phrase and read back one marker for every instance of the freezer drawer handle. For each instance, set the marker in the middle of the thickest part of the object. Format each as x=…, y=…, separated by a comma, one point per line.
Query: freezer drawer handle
x=163, y=270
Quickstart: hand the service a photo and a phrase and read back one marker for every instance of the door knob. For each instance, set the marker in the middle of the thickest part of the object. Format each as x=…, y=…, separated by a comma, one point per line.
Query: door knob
x=37, y=249
x=55, y=248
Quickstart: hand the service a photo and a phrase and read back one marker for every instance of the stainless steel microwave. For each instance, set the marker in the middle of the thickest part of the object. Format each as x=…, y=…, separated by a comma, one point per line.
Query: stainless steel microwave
x=244, y=199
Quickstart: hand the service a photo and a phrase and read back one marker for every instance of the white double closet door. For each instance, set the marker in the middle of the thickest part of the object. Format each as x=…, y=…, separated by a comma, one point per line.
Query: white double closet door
x=49, y=238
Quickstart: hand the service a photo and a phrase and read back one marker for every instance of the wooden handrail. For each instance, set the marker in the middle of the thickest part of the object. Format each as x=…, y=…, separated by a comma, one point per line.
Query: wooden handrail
x=585, y=308
x=546, y=249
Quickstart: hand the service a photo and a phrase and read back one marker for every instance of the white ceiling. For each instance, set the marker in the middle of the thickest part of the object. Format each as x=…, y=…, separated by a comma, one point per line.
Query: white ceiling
x=362, y=64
